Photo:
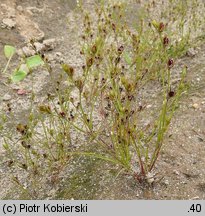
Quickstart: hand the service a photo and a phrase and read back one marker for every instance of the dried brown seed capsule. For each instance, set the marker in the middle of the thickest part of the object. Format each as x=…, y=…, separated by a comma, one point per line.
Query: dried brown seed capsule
x=113, y=26
x=83, y=67
x=120, y=49
x=103, y=80
x=140, y=108
x=78, y=105
x=94, y=49
x=72, y=116
x=106, y=114
x=79, y=84
x=10, y=163
x=104, y=30
x=23, y=143
x=170, y=63
x=89, y=62
x=117, y=60
x=68, y=69
x=45, y=109
x=132, y=112
x=63, y=114
x=45, y=155
x=165, y=41
x=171, y=94
x=123, y=99
x=161, y=27
x=130, y=97
x=22, y=128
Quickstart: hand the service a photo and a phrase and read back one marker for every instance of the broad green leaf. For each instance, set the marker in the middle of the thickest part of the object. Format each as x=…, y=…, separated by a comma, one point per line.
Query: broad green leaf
x=127, y=58
x=9, y=51
x=34, y=61
x=18, y=75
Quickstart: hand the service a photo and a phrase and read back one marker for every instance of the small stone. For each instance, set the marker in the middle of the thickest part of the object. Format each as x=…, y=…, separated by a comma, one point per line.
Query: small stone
x=166, y=182
x=20, y=52
x=191, y=52
x=11, y=13
x=50, y=44
x=39, y=46
x=28, y=51
x=34, y=10
x=198, y=79
x=58, y=54
x=19, y=8
x=9, y=23
x=176, y=172
x=195, y=198
x=150, y=178
x=195, y=106
x=21, y=92
x=6, y=97
x=50, y=57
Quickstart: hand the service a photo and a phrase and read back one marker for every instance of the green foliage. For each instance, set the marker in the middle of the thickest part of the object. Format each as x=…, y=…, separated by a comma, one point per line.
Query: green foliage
x=30, y=63
x=20, y=74
x=9, y=51
x=34, y=61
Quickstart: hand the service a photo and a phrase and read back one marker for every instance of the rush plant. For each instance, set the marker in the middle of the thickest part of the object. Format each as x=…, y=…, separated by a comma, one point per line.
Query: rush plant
x=121, y=63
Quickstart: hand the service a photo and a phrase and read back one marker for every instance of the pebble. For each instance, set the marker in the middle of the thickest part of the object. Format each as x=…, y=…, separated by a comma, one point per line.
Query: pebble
x=20, y=52
x=19, y=8
x=176, y=172
x=198, y=79
x=7, y=97
x=39, y=46
x=195, y=106
x=28, y=51
x=34, y=9
x=150, y=178
x=8, y=23
x=50, y=44
x=191, y=52
x=166, y=182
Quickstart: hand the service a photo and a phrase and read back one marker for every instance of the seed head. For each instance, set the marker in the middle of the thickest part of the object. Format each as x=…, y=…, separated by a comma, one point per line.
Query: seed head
x=161, y=27
x=166, y=41
x=170, y=63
